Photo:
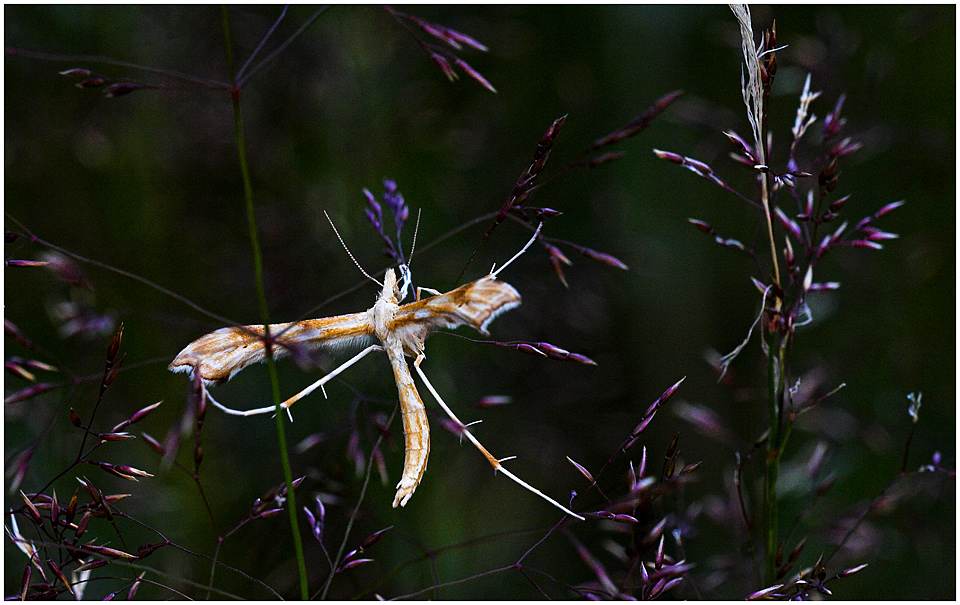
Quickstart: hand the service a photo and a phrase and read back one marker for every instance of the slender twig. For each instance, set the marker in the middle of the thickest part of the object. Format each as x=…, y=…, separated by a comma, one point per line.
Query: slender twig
x=356, y=510
x=263, y=41
x=432, y=555
x=241, y=82
x=175, y=546
x=774, y=379
x=413, y=34
x=456, y=582
x=515, y=566
x=133, y=276
x=170, y=73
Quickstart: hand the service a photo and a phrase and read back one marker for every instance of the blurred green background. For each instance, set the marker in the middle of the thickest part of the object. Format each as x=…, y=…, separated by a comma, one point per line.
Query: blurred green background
x=149, y=183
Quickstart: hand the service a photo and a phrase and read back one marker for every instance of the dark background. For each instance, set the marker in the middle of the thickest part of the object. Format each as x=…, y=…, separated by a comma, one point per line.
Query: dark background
x=149, y=183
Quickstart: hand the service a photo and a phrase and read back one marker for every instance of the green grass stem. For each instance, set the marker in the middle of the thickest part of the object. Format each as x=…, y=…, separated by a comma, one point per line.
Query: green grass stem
x=262, y=303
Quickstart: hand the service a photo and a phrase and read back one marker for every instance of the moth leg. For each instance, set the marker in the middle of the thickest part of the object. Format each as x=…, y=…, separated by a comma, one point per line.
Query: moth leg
x=232, y=411
x=536, y=234
x=495, y=463
x=286, y=404
x=429, y=291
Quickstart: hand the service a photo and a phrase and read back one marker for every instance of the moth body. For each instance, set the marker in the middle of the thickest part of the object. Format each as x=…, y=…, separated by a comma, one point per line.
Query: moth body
x=402, y=330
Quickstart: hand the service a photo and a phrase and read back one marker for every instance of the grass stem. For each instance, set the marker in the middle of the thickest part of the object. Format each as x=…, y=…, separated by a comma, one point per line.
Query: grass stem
x=262, y=303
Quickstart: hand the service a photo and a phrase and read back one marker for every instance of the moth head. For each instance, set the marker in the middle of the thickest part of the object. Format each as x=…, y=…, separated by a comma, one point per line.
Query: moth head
x=391, y=291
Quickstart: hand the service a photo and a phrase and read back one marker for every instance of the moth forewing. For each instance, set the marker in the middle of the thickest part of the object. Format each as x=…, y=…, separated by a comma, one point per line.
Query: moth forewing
x=224, y=352
x=475, y=304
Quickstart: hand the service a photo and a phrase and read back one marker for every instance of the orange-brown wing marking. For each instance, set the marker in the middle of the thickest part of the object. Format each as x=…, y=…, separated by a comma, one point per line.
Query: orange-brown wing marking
x=416, y=429
x=224, y=352
x=475, y=304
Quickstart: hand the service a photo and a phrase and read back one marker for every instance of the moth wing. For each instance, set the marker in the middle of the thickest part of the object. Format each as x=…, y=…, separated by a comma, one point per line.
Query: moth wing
x=475, y=304
x=224, y=352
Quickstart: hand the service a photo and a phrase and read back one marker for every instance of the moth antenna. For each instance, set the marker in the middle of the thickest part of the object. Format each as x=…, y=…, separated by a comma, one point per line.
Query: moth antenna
x=342, y=243
x=522, y=250
x=413, y=246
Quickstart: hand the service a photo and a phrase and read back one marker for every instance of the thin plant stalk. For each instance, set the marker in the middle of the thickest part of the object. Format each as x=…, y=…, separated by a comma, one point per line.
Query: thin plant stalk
x=244, y=78
x=772, y=463
x=262, y=303
x=169, y=73
x=776, y=369
x=356, y=510
x=754, y=96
